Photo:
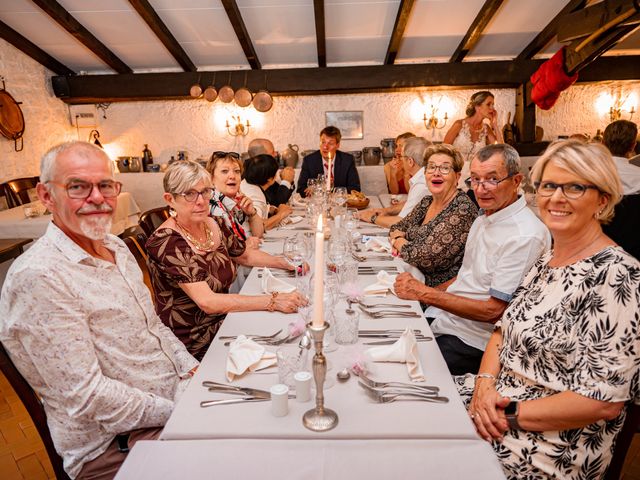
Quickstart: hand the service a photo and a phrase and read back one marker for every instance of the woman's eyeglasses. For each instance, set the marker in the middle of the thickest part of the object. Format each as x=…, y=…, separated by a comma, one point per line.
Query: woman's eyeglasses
x=569, y=190
x=443, y=169
x=192, y=195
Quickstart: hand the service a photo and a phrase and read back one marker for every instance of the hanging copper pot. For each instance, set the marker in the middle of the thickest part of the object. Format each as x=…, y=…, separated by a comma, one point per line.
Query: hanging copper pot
x=210, y=93
x=243, y=97
x=225, y=94
x=262, y=101
x=11, y=118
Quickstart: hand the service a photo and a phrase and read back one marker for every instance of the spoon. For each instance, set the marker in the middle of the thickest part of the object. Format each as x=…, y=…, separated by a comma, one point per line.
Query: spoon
x=343, y=375
x=304, y=343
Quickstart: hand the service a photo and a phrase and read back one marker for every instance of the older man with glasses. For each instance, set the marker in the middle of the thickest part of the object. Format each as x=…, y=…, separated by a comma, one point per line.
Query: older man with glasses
x=79, y=323
x=503, y=243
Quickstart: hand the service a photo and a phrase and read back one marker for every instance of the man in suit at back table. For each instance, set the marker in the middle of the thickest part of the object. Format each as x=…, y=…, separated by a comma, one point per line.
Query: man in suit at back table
x=343, y=165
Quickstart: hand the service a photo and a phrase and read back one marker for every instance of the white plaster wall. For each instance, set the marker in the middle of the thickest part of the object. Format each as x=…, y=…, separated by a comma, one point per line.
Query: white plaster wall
x=46, y=117
x=199, y=126
x=576, y=110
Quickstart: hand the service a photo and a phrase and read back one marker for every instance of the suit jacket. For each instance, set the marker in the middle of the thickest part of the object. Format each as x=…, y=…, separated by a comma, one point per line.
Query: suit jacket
x=345, y=172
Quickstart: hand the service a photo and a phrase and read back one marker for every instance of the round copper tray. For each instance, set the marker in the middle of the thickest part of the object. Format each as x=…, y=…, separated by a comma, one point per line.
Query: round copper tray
x=225, y=94
x=243, y=97
x=11, y=119
x=262, y=101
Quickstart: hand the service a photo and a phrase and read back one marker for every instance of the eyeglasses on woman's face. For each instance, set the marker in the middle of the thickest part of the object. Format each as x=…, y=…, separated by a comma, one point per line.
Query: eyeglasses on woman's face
x=444, y=169
x=191, y=196
x=569, y=190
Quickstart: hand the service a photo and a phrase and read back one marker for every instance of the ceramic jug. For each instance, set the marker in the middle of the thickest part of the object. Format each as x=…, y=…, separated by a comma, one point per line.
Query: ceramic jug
x=290, y=156
x=388, y=148
x=371, y=155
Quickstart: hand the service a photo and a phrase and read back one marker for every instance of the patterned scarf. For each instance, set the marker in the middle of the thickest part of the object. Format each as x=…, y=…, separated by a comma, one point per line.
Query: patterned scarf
x=225, y=207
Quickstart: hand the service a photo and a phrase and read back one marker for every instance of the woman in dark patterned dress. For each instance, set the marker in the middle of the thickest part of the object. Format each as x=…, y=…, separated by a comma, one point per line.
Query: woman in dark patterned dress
x=192, y=262
x=432, y=237
x=563, y=361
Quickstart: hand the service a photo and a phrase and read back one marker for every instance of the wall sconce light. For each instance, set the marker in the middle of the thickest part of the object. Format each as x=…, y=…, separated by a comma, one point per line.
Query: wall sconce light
x=615, y=112
x=433, y=122
x=95, y=135
x=239, y=128
x=614, y=106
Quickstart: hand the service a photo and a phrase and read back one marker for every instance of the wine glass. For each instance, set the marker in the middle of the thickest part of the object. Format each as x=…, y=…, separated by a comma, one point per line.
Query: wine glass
x=340, y=196
x=296, y=250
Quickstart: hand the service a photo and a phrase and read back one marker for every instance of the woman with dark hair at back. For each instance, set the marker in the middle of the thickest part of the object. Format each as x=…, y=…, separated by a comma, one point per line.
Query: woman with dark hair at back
x=260, y=174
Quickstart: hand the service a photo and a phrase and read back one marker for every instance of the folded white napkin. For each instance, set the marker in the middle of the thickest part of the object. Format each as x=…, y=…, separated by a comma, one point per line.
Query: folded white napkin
x=246, y=355
x=298, y=201
x=272, y=284
x=380, y=245
x=292, y=220
x=383, y=285
x=405, y=350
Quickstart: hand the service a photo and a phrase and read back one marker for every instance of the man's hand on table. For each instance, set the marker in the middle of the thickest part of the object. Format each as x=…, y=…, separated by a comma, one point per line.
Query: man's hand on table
x=365, y=215
x=409, y=288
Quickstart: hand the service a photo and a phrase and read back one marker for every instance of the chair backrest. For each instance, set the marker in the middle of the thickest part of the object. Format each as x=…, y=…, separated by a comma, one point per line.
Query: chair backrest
x=6, y=200
x=19, y=189
x=152, y=219
x=137, y=248
x=34, y=407
x=626, y=224
x=623, y=441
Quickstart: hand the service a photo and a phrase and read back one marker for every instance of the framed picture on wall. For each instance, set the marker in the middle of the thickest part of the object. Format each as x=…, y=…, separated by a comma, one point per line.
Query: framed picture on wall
x=350, y=123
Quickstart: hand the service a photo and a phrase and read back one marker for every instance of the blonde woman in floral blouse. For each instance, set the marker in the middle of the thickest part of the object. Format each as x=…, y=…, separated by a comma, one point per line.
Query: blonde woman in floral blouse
x=432, y=237
x=192, y=262
x=563, y=361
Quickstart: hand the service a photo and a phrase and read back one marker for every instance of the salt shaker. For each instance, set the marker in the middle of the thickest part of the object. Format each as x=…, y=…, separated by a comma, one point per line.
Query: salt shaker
x=279, y=400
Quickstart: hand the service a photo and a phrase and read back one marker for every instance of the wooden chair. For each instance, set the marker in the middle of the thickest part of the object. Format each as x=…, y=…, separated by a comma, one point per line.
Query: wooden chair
x=137, y=248
x=35, y=408
x=6, y=200
x=626, y=224
x=11, y=248
x=152, y=219
x=623, y=441
x=19, y=189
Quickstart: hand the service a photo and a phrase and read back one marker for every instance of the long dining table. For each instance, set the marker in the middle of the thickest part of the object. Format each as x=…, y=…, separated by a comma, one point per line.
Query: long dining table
x=410, y=439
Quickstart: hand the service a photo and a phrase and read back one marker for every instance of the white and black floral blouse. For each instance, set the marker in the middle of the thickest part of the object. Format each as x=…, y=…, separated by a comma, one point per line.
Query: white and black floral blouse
x=572, y=328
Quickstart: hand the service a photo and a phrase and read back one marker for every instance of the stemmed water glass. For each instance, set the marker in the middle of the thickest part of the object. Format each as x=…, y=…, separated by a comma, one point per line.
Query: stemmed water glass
x=297, y=250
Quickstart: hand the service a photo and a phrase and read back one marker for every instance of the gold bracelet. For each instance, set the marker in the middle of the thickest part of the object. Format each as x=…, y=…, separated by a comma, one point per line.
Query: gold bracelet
x=271, y=306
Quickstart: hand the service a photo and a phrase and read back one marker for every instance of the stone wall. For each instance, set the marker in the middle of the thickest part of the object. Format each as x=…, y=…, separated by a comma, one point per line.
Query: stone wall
x=198, y=126
x=46, y=117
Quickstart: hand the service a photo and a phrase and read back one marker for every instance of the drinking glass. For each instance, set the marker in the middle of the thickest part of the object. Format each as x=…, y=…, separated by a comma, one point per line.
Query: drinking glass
x=346, y=327
x=291, y=360
x=340, y=196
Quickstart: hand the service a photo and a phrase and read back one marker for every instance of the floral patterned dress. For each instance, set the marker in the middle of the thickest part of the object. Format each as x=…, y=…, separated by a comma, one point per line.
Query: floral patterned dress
x=572, y=328
x=172, y=261
x=437, y=247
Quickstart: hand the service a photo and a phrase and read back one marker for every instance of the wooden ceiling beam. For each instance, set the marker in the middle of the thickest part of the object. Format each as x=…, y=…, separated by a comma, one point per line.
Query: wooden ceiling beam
x=598, y=17
x=404, y=10
x=149, y=15
x=332, y=80
x=233, y=12
x=80, y=33
x=550, y=31
x=472, y=36
x=32, y=50
x=321, y=42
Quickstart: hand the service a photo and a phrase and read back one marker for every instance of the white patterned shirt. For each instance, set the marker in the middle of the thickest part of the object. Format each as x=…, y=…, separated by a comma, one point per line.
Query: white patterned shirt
x=85, y=335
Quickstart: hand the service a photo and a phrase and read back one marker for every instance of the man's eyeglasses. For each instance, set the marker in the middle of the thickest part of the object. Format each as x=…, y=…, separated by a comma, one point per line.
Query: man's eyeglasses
x=569, y=190
x=81, y=190
x=490, y=184
x=221, y=154
x=192, y=195
x=443, y=169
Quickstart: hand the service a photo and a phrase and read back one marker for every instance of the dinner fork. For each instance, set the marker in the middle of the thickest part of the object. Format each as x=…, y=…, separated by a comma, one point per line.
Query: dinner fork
x=253, y=337
x=381, y=396
x=388, y=313
x=383, y=305
x=408, y=386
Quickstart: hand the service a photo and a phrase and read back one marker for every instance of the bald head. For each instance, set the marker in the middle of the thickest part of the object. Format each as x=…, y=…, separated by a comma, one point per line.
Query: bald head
x=260, y=146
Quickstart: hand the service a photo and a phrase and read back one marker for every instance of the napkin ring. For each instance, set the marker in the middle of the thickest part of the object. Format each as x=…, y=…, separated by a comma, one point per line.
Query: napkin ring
x=271, y=306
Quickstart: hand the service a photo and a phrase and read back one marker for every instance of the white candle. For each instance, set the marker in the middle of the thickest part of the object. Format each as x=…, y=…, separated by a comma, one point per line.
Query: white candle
x=329, y=170
x=318, y=285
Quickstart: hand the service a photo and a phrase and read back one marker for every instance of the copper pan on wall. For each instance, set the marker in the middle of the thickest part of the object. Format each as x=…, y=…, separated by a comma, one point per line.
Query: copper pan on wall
x=262, y=101
x=243, y=97
x=11, y=118
x=226, y=93
x=210, y=93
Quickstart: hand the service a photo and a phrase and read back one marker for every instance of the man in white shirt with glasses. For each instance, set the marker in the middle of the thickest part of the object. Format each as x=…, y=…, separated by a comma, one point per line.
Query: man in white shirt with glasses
x=503, y=243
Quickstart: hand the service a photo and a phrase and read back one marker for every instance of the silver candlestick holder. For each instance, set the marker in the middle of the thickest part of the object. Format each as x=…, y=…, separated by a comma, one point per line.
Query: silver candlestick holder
x=319, y=419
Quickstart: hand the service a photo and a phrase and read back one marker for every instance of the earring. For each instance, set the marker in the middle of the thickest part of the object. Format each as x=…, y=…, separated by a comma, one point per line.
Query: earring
x=172, y=212
x=598, y=214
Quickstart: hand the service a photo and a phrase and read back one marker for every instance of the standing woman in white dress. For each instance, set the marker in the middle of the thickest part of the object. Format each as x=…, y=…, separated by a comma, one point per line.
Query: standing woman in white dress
x=471, y=133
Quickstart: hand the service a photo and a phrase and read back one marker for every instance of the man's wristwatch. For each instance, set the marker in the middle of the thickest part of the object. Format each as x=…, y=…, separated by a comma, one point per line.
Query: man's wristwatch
x=373, y=218
x=511, y=412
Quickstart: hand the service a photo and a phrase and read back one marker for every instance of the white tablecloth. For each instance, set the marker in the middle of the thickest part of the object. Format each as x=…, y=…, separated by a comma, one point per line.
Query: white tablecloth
x=13, y=223
x=311, y=460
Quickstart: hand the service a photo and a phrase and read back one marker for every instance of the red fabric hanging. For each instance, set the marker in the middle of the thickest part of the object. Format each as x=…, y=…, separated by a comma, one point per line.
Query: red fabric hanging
x=549, y=80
